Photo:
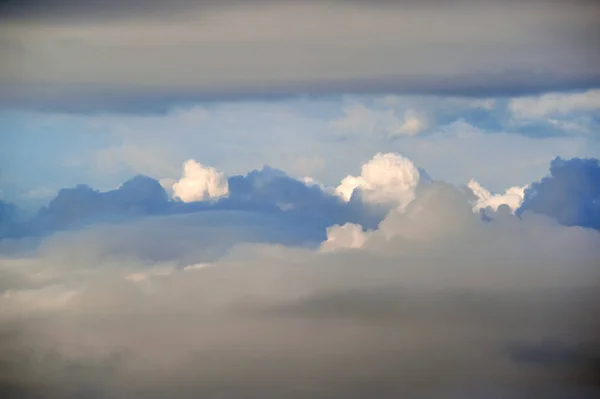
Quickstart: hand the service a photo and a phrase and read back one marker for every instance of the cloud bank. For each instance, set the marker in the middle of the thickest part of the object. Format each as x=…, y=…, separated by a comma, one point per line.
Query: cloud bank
x=281, y=289
x=435, y=303
x=234, y=49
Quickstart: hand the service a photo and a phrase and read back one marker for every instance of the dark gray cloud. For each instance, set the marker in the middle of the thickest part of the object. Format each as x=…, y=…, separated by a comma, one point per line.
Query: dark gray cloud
x=65, y=56
x=81, y=99
x=106, y=9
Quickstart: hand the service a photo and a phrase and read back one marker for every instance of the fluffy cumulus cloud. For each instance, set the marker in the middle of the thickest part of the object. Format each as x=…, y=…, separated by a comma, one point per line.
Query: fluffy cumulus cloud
x=386, y=178
x=238, y=298
x=348, y=235
x=513, y=197
x=200, y=183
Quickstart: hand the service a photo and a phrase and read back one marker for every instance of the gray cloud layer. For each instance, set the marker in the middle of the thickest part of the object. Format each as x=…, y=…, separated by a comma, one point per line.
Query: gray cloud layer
x=437, y=303
x=151, y=57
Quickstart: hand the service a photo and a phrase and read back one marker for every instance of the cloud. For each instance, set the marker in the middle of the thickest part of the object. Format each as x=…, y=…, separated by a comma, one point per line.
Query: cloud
x=387, y=181
x=570, y=194
x=200, y=183
x=9, y=220
x=386, y=178
x=348, y=235
x=412, y=125
x=138, y=196
x=554, y=104
x=436, y=303
x=359, y=118
x=352, y=46
x=513, y=197
x=310, y=206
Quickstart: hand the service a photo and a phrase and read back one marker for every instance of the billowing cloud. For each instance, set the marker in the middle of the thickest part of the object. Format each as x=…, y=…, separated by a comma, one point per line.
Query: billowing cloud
x=570, y=194
x=386, y=178
x=200, y=183
x=513, y=197
x=435, y=303
x=349, y=235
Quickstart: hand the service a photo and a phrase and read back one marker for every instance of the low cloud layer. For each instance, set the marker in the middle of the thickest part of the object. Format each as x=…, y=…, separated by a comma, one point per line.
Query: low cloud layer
x=239, y=298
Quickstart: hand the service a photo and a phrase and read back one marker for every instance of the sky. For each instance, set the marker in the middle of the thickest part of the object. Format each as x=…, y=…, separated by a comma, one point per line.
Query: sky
x=299, y=199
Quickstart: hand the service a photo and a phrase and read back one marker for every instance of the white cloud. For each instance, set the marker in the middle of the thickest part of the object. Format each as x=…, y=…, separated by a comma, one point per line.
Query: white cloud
x=560, y=104
x=513, y=197
x=412, y=125
x=386, y=178
x=200, y=183
x=348, y=235
x=359, y=118
x=347, y=186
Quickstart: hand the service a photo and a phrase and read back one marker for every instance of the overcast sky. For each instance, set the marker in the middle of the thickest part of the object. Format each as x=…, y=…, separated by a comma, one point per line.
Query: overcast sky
x=148, y=55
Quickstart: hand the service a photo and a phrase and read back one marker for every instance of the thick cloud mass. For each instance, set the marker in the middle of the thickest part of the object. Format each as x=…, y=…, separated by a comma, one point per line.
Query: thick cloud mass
x=436, y=303
x=571, y=194
x=281, y=289
x=119, y=55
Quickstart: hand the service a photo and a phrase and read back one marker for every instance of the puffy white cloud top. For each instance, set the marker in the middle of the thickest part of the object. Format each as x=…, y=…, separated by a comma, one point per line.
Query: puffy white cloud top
x=348, y=235
x=200, y=183
x=386, y=178
x=513, y=197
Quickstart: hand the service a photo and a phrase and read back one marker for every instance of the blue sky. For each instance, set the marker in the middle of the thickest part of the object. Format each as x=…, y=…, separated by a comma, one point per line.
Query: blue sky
x=499, y=141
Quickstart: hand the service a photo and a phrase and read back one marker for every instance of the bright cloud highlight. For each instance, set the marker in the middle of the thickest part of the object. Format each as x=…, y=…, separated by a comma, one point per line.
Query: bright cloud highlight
x=200, y=183
x=386, y=178
x=513, y=197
